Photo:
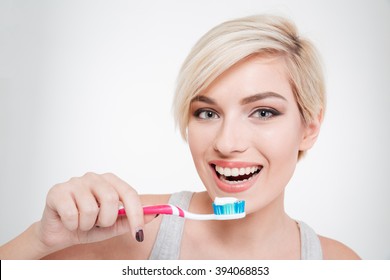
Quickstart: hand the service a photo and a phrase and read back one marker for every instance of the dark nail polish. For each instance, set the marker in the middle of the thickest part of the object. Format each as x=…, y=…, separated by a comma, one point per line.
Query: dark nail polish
x=139, y=235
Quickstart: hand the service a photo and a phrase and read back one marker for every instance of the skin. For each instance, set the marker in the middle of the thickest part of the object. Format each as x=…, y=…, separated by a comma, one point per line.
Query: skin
x=237, y=132
x=247, y=115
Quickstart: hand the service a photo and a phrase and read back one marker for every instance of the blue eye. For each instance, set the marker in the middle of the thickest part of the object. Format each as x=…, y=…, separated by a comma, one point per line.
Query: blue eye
x=206, y=114
x=265, y=114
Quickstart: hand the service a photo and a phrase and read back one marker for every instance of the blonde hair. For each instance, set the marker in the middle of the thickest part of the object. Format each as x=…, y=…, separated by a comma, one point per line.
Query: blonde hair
x=232, y=41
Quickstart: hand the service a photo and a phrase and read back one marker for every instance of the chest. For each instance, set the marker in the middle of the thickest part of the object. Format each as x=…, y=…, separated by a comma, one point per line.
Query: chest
x=204, y=244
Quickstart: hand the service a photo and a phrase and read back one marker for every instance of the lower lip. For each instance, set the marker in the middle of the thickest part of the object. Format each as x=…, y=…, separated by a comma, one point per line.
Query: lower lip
x=234, y=188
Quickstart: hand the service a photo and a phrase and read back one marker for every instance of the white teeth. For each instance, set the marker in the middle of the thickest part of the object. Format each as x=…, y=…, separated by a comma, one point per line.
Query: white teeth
x=236, y=171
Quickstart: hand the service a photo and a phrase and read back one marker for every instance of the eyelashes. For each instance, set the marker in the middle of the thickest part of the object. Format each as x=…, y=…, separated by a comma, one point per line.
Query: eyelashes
x=258, y=113
x=265, y=113
x=205, y=114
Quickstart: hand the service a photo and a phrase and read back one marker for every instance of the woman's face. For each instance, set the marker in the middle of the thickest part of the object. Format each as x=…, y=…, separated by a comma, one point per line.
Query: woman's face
x=245, y=132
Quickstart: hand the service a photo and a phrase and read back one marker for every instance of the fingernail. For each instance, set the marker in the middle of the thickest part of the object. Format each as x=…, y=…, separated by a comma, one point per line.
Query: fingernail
x=139, y=235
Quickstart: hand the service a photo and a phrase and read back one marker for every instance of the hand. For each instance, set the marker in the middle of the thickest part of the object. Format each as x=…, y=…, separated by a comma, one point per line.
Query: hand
x=85, y=210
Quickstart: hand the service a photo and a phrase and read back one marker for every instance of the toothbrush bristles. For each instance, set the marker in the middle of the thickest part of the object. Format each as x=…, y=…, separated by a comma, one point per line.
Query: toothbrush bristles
x=237, y=207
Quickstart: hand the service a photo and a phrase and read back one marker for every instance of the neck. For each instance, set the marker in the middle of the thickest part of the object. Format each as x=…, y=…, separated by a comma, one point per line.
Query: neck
x=261, y=223
x=267, y=232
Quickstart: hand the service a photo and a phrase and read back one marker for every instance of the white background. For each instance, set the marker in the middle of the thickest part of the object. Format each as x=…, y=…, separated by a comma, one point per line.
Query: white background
x=88, y=86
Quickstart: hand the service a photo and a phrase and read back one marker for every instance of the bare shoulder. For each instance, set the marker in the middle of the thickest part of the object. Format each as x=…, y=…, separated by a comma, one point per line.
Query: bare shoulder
x=335, y=250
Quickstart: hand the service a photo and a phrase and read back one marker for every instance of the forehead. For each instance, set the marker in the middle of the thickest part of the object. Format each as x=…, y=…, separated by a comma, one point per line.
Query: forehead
x=250, y=76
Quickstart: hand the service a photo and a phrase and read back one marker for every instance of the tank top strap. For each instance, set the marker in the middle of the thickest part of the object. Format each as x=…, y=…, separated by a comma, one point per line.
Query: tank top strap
x=168, y=240
x=310, y=243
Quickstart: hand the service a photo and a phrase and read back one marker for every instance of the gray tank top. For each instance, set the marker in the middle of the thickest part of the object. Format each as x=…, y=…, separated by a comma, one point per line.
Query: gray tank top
x=168, y=241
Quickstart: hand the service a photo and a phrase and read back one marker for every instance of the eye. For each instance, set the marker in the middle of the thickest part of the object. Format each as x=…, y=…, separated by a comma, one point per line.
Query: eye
x=206, y=114
x=265, y=113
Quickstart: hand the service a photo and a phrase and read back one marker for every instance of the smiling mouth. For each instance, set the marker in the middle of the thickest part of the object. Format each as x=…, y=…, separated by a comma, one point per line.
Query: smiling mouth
x=235, y=175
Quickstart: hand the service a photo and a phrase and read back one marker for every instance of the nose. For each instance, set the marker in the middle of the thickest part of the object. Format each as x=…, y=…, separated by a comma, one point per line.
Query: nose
x=231, y=138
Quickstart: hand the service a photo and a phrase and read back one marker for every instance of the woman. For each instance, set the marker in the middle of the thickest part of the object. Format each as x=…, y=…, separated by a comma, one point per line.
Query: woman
x=250, y=101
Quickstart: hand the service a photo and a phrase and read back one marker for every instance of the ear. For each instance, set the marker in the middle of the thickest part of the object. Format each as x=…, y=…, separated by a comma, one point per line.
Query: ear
x=311, y=132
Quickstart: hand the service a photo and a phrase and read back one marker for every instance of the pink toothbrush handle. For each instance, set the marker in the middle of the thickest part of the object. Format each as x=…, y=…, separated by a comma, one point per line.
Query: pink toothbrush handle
x=158, y=209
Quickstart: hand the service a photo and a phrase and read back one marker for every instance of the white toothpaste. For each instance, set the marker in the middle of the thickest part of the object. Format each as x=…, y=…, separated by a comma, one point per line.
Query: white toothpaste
x=224, y=200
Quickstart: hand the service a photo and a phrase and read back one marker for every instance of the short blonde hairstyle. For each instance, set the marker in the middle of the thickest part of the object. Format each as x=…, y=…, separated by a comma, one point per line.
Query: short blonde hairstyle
x=232, y=41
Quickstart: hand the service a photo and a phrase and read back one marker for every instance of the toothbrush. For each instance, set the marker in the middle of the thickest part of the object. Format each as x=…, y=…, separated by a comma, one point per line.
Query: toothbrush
x=225, y=208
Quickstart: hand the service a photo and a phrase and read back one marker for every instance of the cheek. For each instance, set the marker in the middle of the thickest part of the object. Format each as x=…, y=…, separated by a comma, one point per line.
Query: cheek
x=199, y=140
x=281, y=141
x=280, y=146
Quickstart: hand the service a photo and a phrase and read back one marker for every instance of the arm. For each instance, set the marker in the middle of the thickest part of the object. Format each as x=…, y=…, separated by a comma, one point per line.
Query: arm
x=25, y=246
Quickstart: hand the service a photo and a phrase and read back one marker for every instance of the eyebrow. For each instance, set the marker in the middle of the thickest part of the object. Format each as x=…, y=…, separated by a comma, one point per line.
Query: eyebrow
x=204, y=99
x=260, y=96
x=246, y=100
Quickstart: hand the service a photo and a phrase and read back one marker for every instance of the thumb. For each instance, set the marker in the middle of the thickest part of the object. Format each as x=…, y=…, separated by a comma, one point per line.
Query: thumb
x=120, y=227
x=147, y=217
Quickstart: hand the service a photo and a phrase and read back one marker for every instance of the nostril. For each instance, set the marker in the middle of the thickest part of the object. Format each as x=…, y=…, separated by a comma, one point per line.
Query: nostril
x=228, y=147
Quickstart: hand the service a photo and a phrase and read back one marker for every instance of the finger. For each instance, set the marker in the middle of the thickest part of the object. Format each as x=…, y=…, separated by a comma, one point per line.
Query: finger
x=87, y=207
x=132, y=204
x=64, y=205
x=120, y=227
x=108, y=199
